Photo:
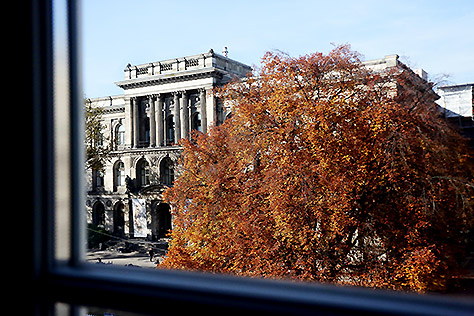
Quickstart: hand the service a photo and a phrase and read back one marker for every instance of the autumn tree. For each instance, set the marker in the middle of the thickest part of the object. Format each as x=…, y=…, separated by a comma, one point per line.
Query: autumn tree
x=326, y=171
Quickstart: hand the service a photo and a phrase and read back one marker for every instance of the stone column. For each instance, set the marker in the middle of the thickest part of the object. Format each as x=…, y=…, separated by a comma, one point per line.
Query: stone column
x=177, y=121
x=202, y=98
x=159, y=120
x=151, y=99
x=132, y=121
x=184, y=115
x=165, y=128
x=211, y=110
x=135, y=122
x=128, y=123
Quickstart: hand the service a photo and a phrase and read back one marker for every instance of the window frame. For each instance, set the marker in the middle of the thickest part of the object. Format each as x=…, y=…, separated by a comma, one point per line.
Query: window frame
x=120, y=135
x=98, y=214
x=75, y=282
x=97, y=180
x=196, y=123
x=170, y=130
x=167, y=171
x=119, y=175
x=143, y=172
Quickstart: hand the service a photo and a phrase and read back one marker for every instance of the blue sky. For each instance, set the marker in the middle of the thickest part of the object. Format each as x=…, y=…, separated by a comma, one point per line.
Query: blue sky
x=437, y=36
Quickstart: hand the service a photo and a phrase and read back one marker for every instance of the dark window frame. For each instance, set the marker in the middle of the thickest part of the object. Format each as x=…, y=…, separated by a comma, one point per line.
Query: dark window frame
x=167, y=171
x=119, y=175
x=119, y=135
x=143, y=172
x=170, y=130
x=46, y=280
x=196, y=122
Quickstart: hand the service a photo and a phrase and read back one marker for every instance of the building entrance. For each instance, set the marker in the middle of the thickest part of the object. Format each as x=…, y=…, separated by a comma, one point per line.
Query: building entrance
x=161, y=220
x=119, y=219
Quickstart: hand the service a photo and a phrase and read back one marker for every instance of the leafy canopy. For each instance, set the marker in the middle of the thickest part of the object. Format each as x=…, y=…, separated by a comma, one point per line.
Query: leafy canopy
x=96, y=149
x=326, y=171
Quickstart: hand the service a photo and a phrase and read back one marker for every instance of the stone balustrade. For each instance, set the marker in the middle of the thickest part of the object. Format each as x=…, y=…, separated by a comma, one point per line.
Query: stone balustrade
x=201, y=61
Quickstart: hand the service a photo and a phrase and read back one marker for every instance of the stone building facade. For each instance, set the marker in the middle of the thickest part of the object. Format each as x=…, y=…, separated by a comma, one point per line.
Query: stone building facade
x=162, y=102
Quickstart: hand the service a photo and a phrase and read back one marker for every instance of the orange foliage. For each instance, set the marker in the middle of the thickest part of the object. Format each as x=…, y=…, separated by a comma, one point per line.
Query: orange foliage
x=326, y=171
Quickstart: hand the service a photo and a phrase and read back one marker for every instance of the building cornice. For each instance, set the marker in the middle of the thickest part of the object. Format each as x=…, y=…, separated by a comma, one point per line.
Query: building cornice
x=147, y=151
x=186, y=75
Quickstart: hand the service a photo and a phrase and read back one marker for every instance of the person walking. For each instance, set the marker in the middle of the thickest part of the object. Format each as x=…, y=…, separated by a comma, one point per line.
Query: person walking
x=151, y=252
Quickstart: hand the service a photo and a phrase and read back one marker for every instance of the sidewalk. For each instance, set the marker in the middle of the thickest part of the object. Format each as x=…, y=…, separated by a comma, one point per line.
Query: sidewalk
x=139, y=257
x=134, y=258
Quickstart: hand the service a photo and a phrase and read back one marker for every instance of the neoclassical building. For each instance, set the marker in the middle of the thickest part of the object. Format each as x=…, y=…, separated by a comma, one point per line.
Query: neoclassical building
x=161, y=102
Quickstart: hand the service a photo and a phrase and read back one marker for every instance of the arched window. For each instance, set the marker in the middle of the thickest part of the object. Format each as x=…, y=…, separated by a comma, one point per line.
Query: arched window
x=143, y=172
x=167, y=171
x=119, y=175
x=97, y=179
x=196, y=122
x=120, y=135
x=119, y=219
x=98, y=214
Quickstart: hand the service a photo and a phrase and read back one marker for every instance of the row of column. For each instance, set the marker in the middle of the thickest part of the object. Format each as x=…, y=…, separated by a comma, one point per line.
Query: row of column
x=181, y=114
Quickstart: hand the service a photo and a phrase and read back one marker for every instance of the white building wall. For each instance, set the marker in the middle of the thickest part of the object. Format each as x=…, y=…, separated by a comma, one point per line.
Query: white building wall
x=457, y=100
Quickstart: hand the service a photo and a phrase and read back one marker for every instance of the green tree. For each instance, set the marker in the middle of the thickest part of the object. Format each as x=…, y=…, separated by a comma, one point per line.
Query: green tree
x=96, y=149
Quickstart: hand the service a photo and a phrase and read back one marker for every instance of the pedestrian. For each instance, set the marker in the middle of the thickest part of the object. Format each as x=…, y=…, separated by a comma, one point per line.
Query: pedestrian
x=151, y=252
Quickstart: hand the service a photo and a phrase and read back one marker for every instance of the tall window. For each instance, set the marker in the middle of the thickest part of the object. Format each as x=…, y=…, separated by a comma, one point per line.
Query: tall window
x=147, y=130
x=119, y=175
x=119, y=219
x=170, y=129
x=196, y=122
x=143, y=172
x=144, y=137
x=167, y=171
x=120, y=135
x=97, y=179
x=98, y=214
